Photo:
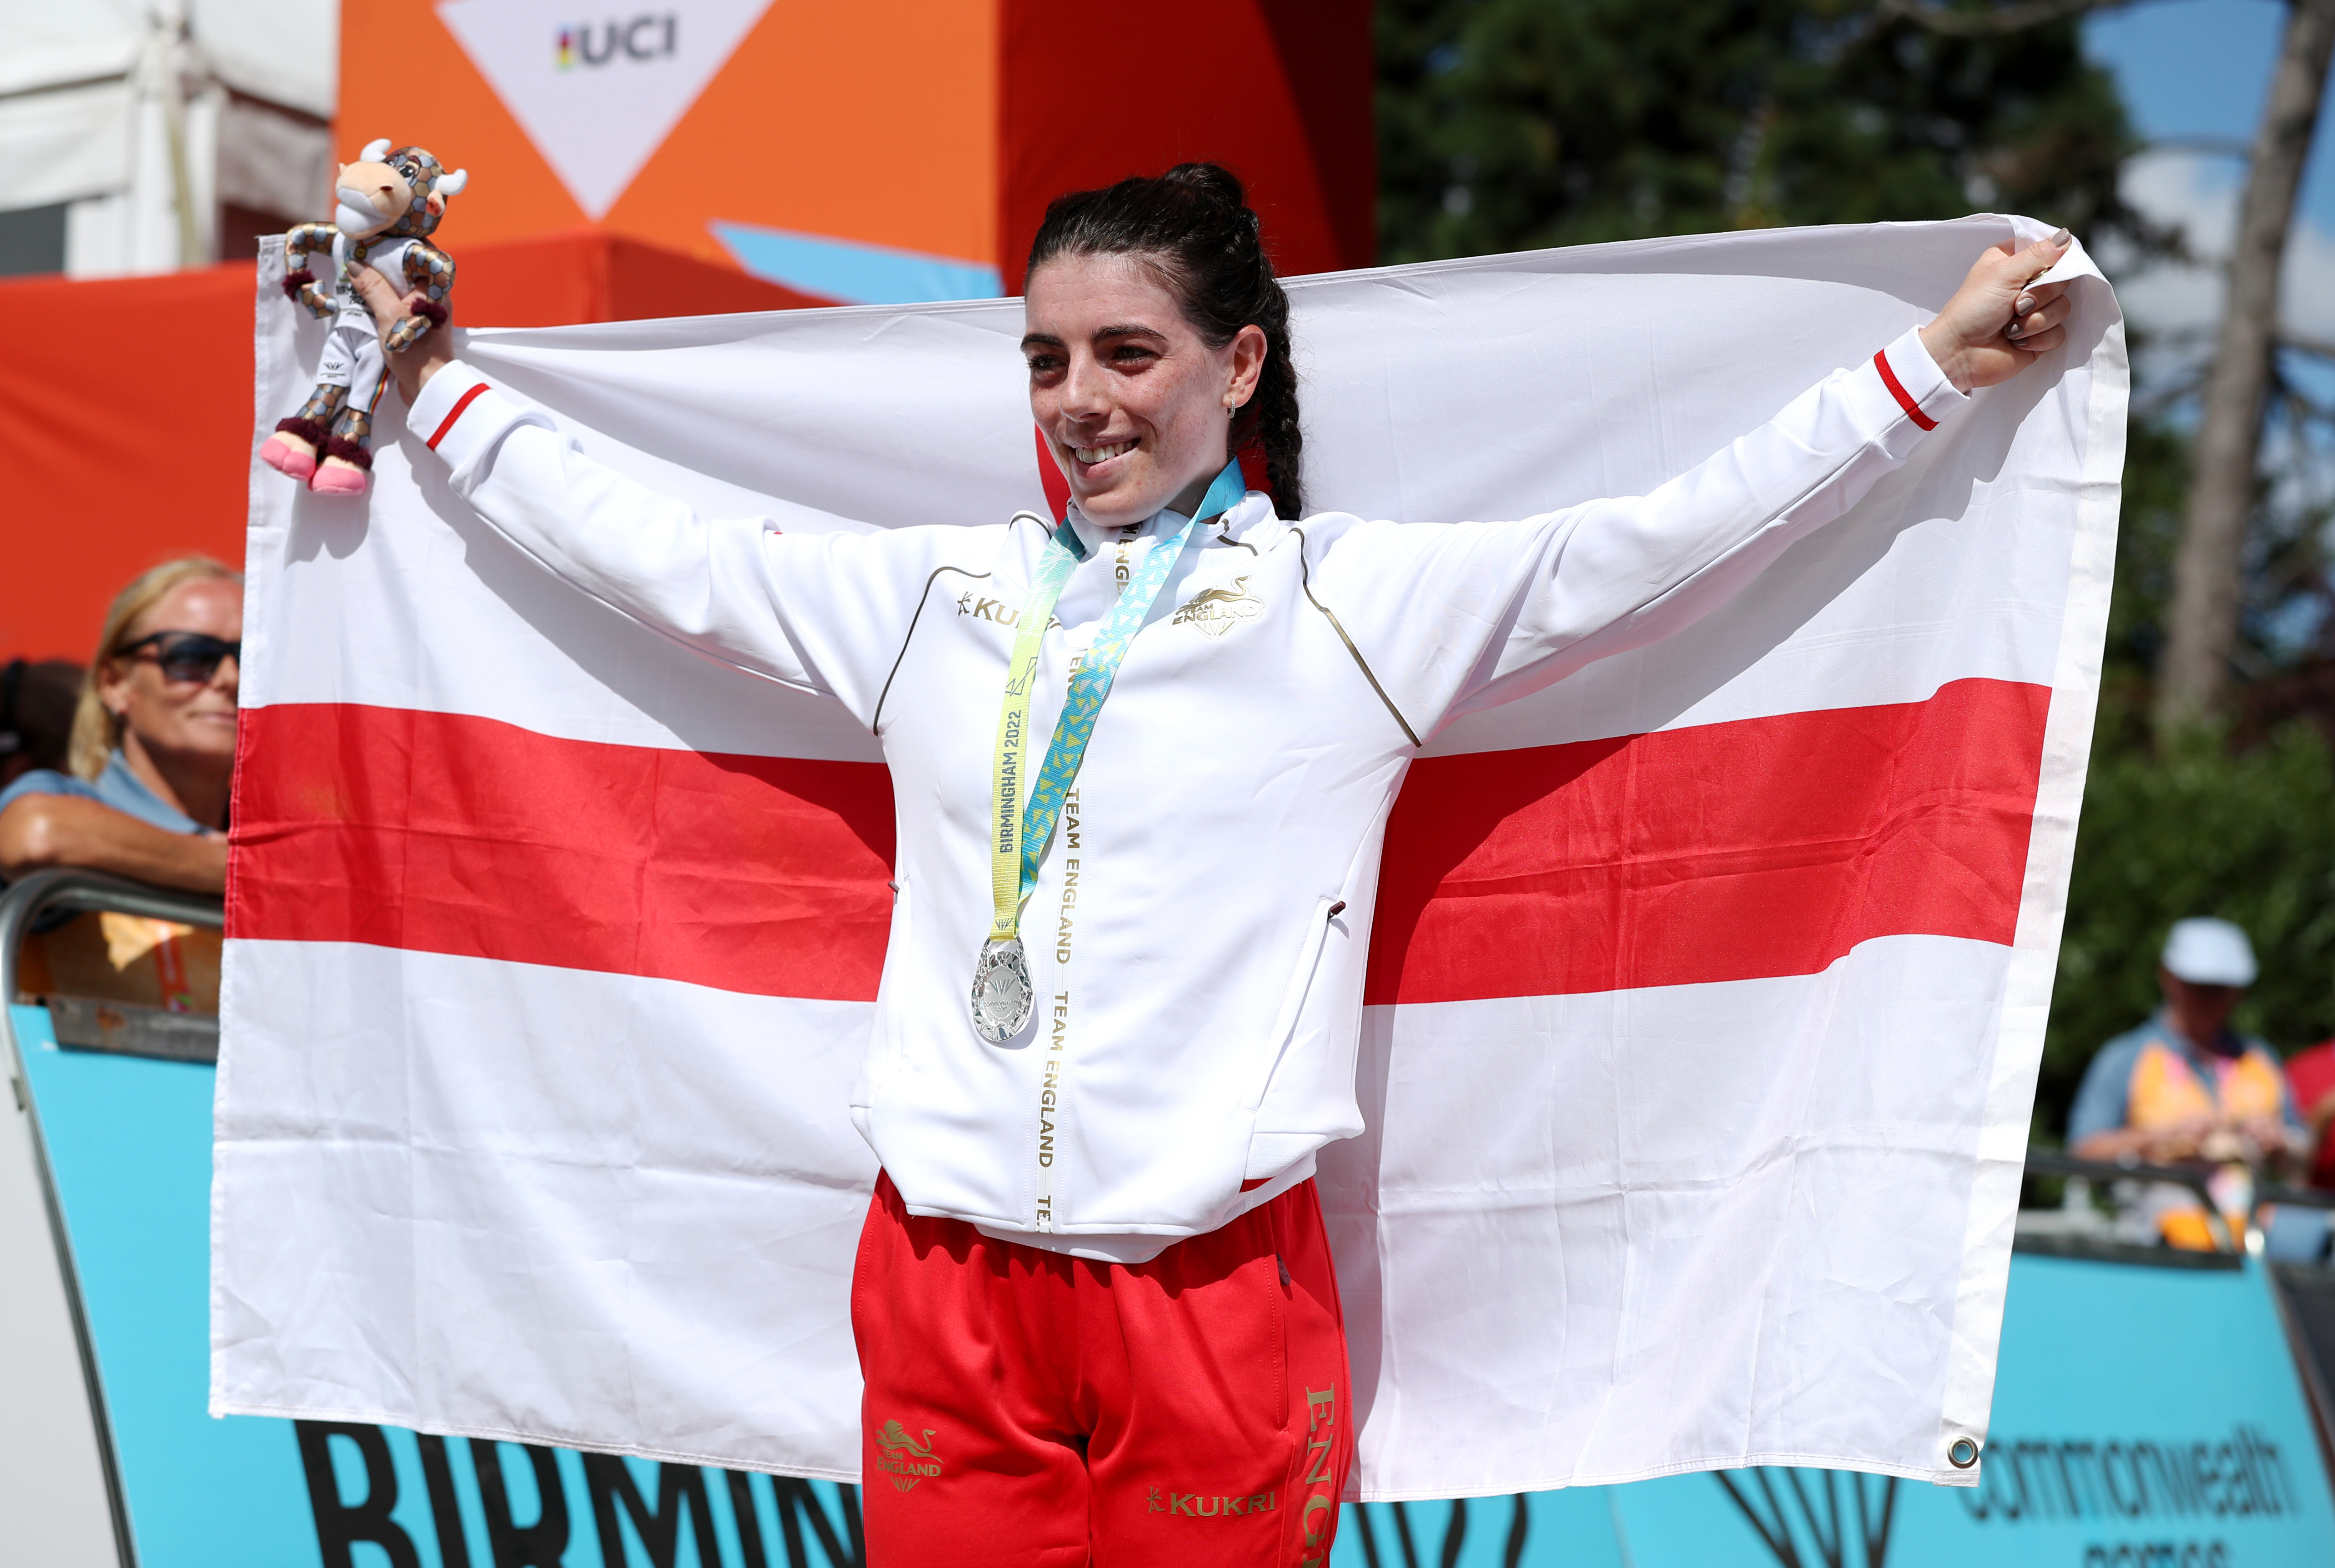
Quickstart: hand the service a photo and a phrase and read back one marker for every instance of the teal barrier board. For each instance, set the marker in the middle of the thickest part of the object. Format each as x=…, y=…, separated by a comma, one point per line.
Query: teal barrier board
x=2144, y=1418
x=129, y=1144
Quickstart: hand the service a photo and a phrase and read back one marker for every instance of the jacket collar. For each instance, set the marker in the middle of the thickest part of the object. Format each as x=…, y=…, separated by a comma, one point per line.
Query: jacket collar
x=1252, y=516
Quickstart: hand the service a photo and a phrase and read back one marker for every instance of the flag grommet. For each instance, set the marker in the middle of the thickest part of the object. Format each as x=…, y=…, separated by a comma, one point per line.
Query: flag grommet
x=1963, y=1455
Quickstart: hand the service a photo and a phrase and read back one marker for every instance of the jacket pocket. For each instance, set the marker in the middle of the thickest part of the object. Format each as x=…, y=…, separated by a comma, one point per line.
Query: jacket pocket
x=1292, y=997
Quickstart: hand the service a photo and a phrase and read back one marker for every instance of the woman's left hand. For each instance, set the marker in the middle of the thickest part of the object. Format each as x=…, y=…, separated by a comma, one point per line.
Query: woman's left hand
x=416, y=362
x=2000, y=318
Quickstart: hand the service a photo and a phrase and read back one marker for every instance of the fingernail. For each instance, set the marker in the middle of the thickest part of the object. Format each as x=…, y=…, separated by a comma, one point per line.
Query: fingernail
x=2060, y=236
x=2024, y=305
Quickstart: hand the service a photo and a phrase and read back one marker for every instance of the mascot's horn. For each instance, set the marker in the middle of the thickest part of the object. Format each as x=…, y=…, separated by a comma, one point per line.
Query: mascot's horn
x=371, y=150
x=452, y=184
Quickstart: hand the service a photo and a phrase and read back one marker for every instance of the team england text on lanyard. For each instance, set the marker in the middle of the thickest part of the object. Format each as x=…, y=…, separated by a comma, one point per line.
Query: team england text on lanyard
x=1002, y=995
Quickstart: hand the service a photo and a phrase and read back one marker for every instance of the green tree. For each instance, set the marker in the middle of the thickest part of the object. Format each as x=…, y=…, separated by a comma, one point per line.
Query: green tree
x=2238, y=821
x=2198, y=830
x=1511, y=124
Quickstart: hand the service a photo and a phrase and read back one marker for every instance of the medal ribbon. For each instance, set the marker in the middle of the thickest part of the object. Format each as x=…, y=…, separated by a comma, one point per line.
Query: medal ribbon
x=1019, y=833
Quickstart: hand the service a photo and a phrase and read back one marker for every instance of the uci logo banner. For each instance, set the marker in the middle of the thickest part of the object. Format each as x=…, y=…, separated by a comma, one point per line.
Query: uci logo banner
x=600, y=102
x=641, y=38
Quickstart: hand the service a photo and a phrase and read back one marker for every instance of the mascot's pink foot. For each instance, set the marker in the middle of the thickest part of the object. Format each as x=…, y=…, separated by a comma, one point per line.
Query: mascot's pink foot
x=286, y=459
x=338, y=480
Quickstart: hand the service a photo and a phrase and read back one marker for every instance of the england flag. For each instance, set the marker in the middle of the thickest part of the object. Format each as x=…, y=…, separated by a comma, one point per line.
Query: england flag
x=1705, y=997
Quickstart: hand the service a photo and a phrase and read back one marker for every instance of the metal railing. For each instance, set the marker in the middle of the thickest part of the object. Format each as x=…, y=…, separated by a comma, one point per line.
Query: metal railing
x=2194, y=1178
x=21, y=907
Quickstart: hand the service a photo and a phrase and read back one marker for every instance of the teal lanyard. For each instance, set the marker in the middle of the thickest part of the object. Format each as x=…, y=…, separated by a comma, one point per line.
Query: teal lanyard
x=1018, y=847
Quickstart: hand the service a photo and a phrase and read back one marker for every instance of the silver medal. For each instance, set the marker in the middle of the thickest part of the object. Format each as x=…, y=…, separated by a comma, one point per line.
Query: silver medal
x=1002, y=995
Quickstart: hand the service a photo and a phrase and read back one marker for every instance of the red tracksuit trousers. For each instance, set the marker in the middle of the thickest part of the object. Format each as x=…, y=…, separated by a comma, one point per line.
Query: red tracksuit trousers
x=1027, y=1407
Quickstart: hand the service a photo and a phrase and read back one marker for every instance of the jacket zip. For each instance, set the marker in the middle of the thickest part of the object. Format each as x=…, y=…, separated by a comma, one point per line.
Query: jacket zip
x=1300, y=981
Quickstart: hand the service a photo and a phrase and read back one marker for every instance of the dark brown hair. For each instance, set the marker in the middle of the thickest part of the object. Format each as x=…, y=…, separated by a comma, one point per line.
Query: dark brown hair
x=1193, y=226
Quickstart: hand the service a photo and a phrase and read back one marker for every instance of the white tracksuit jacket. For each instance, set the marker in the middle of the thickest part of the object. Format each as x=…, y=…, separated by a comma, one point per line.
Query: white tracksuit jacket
x=1198, y=935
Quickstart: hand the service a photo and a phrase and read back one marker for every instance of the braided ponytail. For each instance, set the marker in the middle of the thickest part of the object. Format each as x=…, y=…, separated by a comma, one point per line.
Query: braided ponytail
x=1192, y=226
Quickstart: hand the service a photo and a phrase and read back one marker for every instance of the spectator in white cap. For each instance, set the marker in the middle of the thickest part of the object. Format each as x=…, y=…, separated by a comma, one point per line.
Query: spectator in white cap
x=2184, y=1086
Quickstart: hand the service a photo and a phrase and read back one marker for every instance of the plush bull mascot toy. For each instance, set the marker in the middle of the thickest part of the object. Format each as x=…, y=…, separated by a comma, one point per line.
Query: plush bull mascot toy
x=389, y=202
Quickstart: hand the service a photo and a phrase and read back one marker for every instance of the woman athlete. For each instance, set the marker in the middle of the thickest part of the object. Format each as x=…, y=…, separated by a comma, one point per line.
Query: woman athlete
x=1142, y=762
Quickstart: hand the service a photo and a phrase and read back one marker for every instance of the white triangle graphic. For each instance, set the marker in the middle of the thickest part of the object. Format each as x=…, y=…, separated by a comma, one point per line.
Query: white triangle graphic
x=598, y=87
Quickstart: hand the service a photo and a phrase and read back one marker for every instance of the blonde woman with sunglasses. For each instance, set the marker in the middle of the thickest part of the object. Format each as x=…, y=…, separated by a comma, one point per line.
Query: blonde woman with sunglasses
x=153, y=743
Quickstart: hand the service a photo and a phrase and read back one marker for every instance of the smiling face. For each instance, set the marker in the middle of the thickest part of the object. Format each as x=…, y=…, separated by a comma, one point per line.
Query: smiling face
x=1134, y=404
x=187, y=724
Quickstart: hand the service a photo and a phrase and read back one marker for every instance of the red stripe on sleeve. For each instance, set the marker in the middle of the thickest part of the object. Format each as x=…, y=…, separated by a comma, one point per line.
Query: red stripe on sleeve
x=1888, y=379
x=464, y=401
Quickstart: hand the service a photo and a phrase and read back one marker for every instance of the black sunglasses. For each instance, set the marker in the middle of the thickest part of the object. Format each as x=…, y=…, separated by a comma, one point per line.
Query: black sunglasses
x=187, y=656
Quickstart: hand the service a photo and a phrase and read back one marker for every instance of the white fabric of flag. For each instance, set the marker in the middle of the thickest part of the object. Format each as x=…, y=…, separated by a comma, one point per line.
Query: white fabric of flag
x=1708, y=987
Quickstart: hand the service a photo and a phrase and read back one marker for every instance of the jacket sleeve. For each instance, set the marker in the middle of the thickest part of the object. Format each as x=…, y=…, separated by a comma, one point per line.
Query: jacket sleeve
x=1476, y=613
x=823, y=612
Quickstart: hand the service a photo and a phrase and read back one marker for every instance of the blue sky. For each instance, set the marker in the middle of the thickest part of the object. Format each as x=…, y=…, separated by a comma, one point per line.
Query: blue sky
x=2201, y=68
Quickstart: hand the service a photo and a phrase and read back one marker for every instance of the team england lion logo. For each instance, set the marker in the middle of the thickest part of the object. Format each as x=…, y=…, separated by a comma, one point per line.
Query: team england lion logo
x=907, y=1460
x=1219, y=610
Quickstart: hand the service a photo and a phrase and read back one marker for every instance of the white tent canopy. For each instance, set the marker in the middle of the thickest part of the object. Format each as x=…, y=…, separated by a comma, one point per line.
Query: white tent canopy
x=144, y=120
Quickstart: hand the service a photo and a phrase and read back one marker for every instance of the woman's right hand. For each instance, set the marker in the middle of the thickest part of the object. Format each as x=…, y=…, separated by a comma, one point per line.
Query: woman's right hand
x=411, y=366
x=2000, y=318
